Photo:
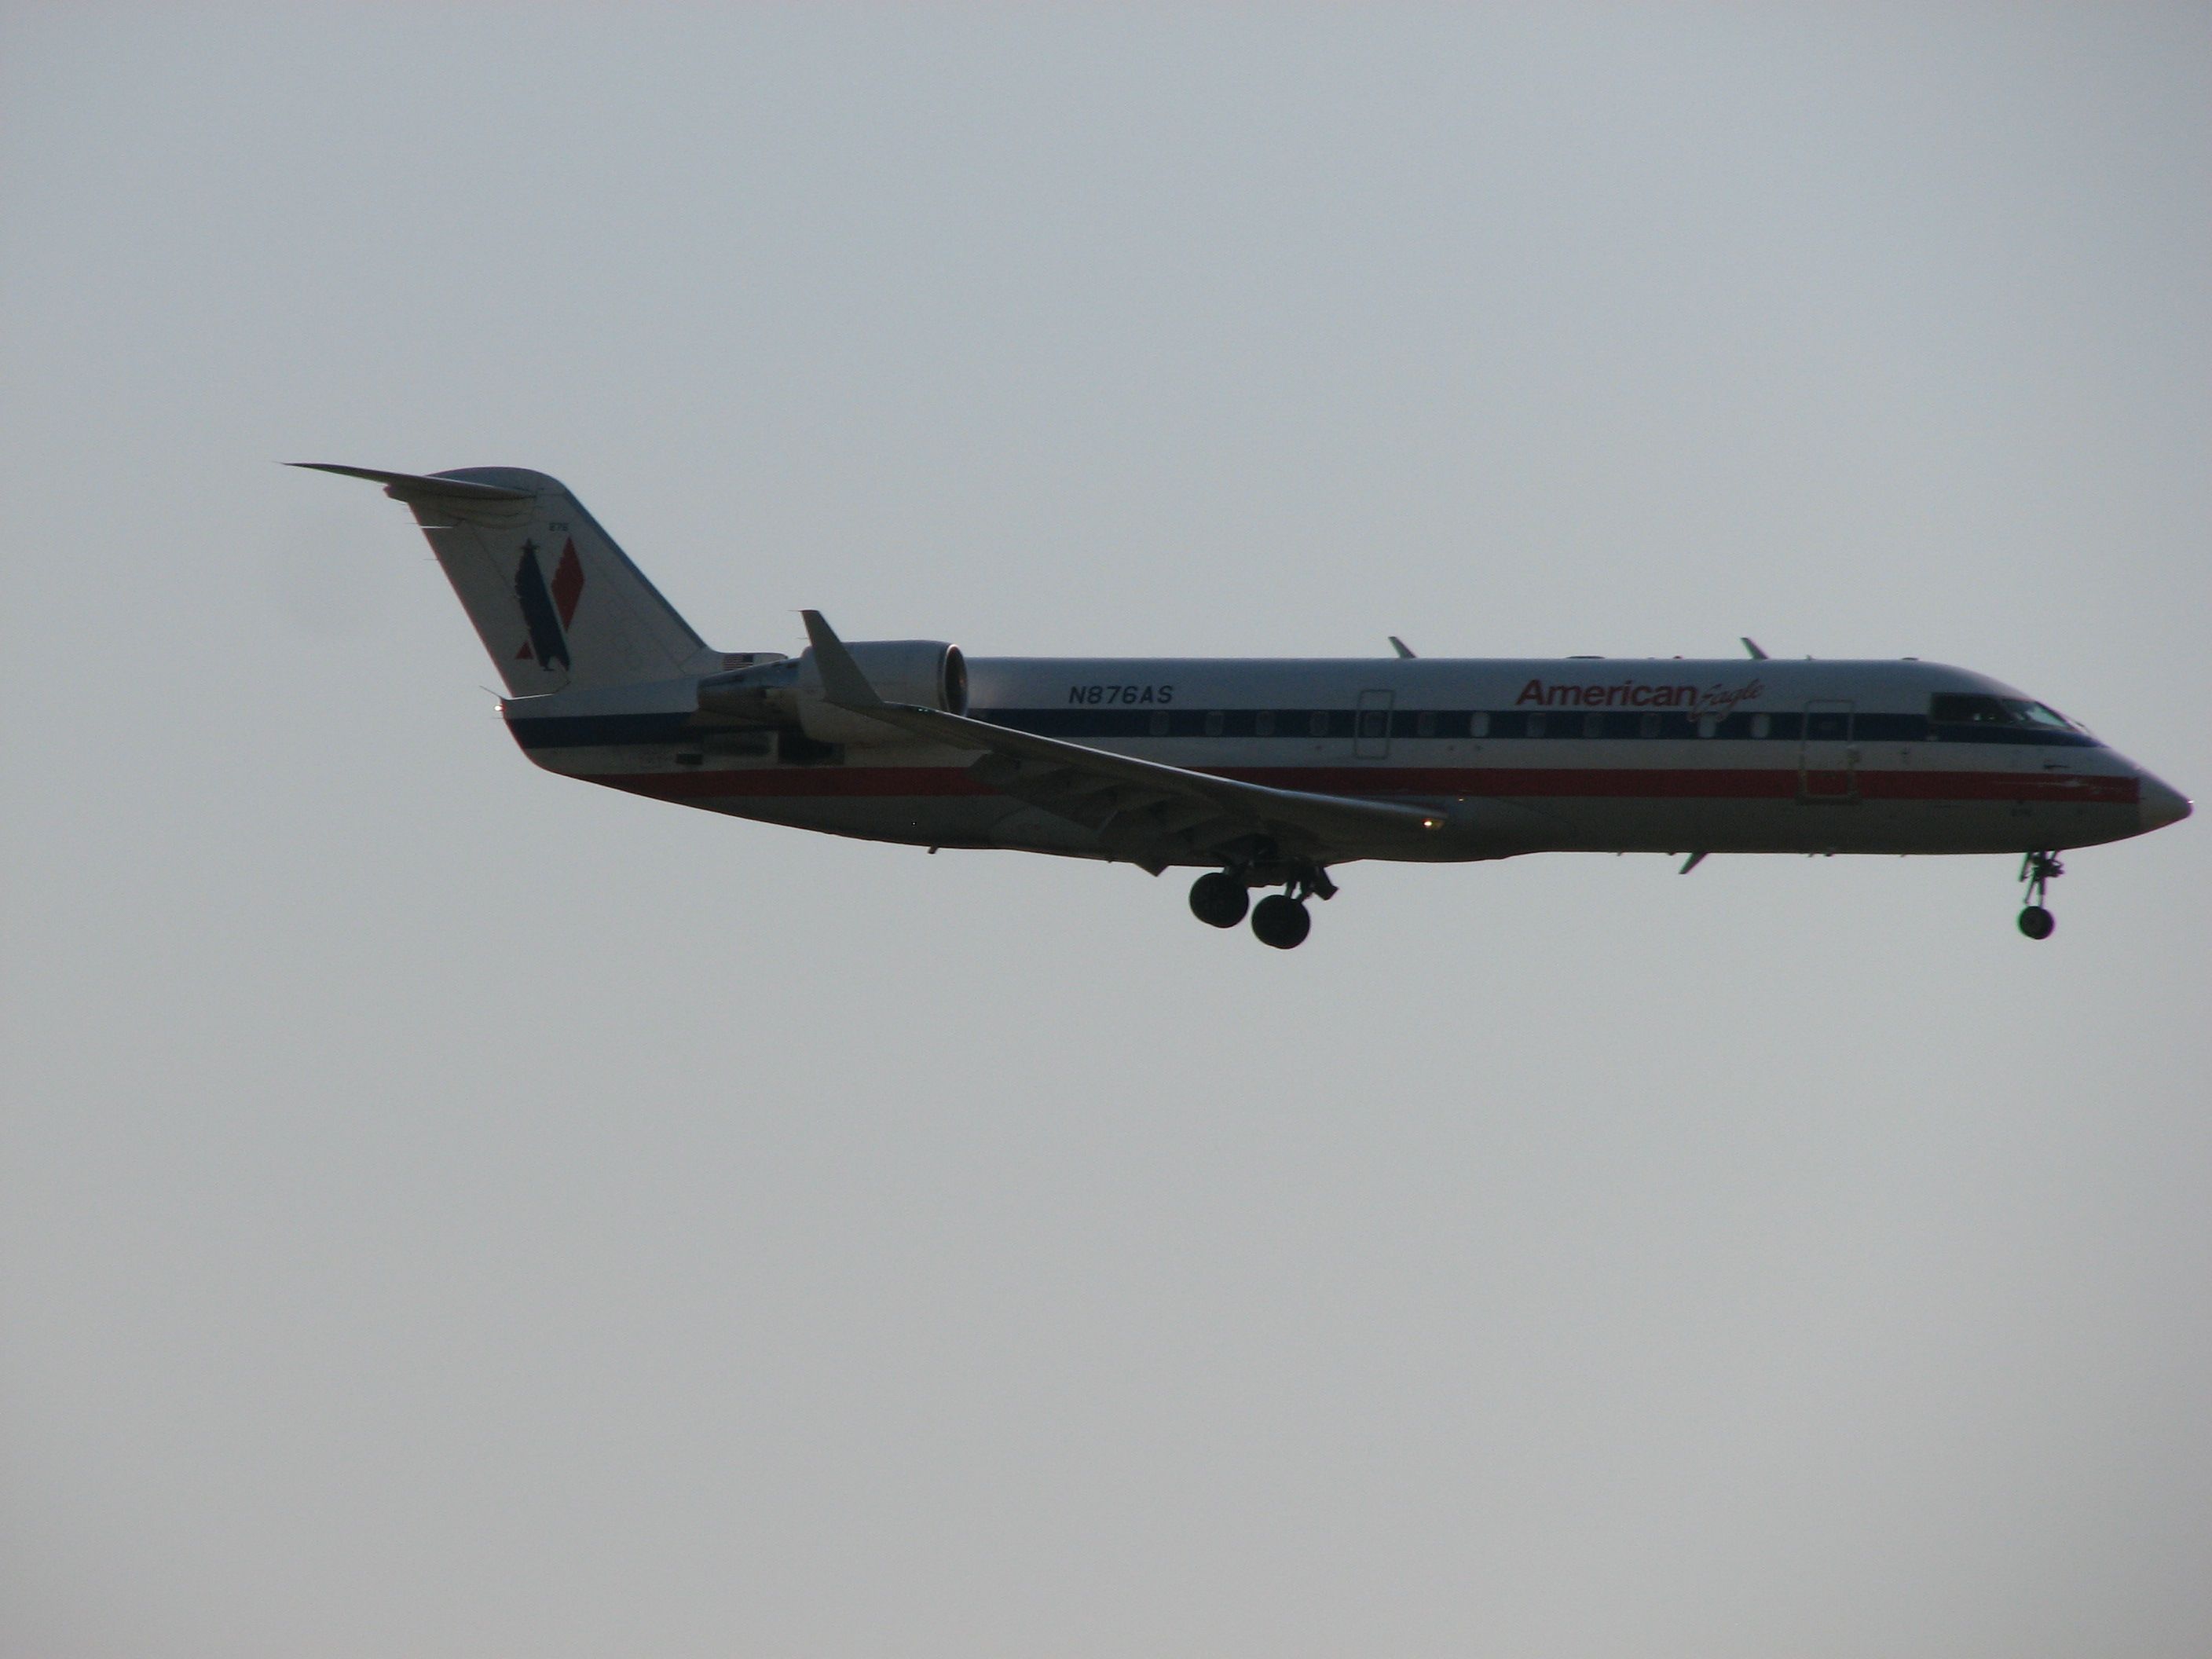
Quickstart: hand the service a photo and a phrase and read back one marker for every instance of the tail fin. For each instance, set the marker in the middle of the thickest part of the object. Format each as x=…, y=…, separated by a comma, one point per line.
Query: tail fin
x=555, y=601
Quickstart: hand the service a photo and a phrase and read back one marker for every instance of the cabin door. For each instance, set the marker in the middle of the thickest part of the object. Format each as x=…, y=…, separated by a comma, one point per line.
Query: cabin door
x=1370, y=739
x=1827, y=759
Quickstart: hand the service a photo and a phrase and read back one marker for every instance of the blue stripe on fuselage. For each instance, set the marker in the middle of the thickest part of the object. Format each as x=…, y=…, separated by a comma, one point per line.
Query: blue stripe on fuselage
x=1076, y=725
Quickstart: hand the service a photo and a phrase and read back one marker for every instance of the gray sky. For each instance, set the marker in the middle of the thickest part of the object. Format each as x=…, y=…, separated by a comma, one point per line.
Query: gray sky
x=446, y=1210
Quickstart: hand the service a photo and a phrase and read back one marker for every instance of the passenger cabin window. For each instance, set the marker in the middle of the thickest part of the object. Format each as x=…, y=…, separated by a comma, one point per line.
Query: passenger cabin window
x=1593, y=726
x=1317, y=723
x=1159, y=722
x=1214, y=723
x=1263, y=723
x=1477, y=726
x=1761, y=725
x=1425, y=726
x=1535, y=725
x=1648, y=726
x=1708, y=724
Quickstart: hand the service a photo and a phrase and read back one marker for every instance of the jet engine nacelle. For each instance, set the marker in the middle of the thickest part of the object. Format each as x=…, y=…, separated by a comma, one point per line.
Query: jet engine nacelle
x=927, y=672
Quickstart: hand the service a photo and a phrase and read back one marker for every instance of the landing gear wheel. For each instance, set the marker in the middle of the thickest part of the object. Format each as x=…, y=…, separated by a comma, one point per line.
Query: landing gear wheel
x=1219, y=900
x=2038, y=871
x=1280, y=920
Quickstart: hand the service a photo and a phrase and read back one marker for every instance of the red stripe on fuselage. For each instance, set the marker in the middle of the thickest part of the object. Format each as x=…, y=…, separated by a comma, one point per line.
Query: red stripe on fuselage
x=1620, y=783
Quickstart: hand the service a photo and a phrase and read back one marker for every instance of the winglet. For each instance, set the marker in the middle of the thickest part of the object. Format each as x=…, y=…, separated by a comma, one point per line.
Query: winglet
x=1752, y=646
x=842, y=682
x=1398, y=645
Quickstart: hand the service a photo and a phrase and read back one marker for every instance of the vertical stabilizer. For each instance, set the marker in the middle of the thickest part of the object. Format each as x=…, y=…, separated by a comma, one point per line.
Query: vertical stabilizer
x=556, y=603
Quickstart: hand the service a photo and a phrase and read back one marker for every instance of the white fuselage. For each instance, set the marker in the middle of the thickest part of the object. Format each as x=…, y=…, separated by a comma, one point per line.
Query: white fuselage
x=1580, y=754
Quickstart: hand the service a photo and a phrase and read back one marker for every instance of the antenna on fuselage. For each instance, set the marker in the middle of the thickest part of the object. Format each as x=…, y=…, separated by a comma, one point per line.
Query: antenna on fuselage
x=1752, y=646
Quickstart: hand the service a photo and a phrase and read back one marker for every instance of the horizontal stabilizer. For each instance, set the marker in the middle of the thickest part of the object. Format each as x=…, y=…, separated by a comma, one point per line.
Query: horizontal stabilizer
x=416, y=487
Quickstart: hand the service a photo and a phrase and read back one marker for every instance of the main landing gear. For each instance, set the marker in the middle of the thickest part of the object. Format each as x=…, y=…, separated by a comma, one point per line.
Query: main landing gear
x=1281, y=919
x=2038, y=871
x=1219, y=900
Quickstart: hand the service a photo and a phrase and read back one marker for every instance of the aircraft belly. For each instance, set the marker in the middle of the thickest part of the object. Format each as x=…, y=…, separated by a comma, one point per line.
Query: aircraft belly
x=923, y=821
x=1864, y=826
x=1495, y=809
x=1540, y=823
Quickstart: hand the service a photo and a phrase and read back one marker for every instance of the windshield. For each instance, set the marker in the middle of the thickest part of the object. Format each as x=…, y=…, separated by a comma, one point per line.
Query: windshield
x=2038, y=713
x=1966, y=708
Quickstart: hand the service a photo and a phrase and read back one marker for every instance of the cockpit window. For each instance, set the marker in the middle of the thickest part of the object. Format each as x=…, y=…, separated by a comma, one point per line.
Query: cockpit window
x=1962, y=709
x=2039, y=713
x=1967, y=709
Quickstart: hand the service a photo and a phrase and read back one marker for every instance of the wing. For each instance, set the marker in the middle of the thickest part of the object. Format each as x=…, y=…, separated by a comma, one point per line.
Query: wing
x=1150, y=813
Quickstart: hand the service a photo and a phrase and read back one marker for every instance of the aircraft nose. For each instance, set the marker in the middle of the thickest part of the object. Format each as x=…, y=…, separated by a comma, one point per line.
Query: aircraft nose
x=2161, y=804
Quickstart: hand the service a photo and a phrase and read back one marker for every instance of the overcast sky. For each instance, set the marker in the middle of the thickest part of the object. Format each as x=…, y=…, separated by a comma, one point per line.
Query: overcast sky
x=446, y=1210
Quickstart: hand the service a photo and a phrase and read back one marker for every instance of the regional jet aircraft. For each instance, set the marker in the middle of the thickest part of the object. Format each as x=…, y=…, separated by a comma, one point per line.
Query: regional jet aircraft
x=1261, y=772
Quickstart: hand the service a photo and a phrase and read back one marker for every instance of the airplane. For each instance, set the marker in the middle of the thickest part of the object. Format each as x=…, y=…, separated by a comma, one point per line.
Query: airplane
x=1261, y=772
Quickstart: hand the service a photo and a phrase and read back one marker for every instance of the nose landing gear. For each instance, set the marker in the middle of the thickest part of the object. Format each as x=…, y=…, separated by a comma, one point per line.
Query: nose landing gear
x=2038, y=871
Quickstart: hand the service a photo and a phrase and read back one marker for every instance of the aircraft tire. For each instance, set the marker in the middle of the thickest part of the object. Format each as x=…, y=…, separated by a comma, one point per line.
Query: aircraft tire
x=2037, y=923
x=1219, y=899
x=1280, y=920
